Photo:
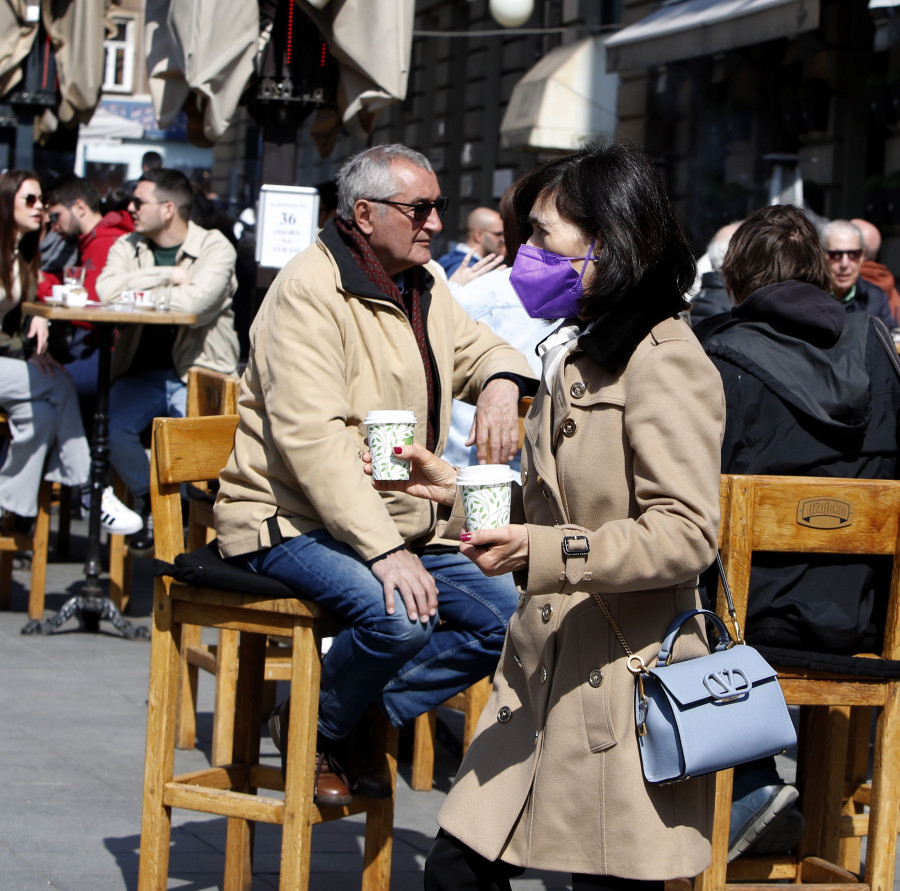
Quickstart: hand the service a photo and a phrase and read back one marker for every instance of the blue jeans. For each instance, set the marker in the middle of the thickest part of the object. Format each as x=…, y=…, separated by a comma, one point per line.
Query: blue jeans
x=412, y=666
x=134, y=401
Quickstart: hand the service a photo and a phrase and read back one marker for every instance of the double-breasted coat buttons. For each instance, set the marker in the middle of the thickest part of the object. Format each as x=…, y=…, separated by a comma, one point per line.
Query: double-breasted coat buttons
x=504, y=714
x=543, y=674
x=595, y=678
x=577, y=390
x=546, y=612
x=569, y=427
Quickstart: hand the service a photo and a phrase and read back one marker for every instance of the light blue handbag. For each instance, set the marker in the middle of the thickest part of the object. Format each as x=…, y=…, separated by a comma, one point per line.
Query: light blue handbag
x=708, y=713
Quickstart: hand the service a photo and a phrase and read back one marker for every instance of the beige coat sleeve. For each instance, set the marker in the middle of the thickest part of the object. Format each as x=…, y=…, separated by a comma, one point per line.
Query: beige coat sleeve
x=673, y=417
x=301, y=359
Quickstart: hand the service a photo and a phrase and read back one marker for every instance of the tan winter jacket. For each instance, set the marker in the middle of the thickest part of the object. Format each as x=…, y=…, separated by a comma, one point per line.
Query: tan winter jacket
x=552, y=779
x=326, y=348
x=209, y=257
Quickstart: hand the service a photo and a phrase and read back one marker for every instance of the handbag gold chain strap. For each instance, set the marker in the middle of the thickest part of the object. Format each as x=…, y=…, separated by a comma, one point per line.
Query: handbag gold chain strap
x=636, y=664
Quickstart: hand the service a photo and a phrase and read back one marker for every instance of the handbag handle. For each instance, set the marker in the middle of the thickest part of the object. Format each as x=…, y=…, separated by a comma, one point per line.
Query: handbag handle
x=636, y=663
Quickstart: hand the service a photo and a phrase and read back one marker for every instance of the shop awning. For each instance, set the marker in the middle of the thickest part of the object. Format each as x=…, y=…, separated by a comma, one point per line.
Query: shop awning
x=566, y=98
x=685, y=29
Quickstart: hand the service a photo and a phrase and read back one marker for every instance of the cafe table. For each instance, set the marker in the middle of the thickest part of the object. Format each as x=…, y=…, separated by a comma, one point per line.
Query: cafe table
x=92, y=605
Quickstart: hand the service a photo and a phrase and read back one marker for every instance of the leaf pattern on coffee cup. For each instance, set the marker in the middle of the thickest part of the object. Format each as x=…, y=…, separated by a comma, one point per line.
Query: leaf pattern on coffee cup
x=487, y=507
x=382, y=439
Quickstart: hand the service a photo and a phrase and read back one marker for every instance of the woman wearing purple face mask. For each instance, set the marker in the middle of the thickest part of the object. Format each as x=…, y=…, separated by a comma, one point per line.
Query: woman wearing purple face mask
x=620, y=498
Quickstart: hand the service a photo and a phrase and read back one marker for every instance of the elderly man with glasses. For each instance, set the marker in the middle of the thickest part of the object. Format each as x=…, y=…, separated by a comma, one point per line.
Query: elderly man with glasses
x=360, y=322
x=193, y=269
x=845, y=247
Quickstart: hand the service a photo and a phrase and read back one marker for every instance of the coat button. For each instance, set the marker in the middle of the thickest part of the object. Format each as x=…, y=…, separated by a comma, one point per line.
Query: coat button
x=524, y=475
x=595, y=678
x=521, y=601
x=543, y=674
x=578, y=389
x=504, y=714
x=517, y=660
x=546, y=612
x=569, y=428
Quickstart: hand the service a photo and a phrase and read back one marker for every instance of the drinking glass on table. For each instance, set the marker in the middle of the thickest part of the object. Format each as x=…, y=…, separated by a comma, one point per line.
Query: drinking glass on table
x=162, y=297
x=73, y=276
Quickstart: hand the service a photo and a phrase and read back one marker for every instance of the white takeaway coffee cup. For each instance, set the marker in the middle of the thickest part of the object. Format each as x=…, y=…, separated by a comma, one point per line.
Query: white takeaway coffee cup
x=385, y=430
x=486, y=494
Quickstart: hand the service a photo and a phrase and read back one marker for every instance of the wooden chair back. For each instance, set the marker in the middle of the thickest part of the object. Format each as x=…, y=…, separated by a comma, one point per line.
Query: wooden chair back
x=817, y=515
x=211, y=393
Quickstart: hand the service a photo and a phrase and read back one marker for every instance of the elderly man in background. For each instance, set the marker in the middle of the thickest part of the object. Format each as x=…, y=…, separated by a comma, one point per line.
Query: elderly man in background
x=358, y=322
x=713, y=297
x=843, y=243
x=484, y=236
x=873, y=271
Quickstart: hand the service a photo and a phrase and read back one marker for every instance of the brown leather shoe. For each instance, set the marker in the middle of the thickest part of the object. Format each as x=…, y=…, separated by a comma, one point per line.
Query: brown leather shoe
x=330, y=788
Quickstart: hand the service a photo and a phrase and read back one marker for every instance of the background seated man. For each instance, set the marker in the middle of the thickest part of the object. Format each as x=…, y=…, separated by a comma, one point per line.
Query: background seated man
x=484, y=236
x=194, y=268
x=844, y=245
x=810, y=390
x=357, y=322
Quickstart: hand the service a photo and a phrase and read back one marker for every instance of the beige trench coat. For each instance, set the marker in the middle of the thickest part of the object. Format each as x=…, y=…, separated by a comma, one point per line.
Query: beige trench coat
x=553, y=778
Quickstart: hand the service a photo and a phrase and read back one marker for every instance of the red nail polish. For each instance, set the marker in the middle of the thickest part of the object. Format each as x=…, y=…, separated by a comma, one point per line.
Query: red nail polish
x=398, y=450
x=465, y=536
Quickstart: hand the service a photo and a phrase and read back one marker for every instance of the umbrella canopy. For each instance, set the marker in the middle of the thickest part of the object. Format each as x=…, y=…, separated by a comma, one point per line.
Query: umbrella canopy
x=77, y=31
x=202, y=55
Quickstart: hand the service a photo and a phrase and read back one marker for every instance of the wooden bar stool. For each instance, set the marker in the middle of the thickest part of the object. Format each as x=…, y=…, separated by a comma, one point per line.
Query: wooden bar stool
x=820, y=516
x=37, y=541
x=188, y=450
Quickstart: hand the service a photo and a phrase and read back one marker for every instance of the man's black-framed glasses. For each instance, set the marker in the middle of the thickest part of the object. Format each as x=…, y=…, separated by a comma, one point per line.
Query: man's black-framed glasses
x=853, y=256
x=422, y=210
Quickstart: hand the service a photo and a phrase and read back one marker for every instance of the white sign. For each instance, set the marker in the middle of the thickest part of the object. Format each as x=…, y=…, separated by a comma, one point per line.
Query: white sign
x=287, y=223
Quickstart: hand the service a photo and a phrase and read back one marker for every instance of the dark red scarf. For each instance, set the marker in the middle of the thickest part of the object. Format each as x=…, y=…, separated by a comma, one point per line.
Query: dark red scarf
x=409, y=300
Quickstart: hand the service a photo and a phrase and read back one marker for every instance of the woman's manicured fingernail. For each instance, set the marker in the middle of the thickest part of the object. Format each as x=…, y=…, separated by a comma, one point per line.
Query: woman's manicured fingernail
x=465, y=536
x=398, y=450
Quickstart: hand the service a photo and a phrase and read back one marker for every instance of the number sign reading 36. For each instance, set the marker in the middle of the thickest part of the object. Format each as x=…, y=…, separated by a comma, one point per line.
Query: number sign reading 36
x=288, y=222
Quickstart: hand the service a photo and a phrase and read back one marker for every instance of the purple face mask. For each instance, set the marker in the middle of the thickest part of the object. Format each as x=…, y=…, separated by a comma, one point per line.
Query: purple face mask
x=546, y=283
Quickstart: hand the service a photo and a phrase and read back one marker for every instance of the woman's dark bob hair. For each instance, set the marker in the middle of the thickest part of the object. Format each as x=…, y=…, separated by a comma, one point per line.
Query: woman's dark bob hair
x=614, y=190
x=774, y=244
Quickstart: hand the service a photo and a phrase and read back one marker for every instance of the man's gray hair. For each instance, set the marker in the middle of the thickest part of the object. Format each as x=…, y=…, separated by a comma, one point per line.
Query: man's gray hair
x=842, y=226
x=367, y=174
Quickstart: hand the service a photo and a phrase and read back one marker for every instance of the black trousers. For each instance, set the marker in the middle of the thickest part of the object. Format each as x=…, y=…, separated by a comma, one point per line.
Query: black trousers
x=452, y=866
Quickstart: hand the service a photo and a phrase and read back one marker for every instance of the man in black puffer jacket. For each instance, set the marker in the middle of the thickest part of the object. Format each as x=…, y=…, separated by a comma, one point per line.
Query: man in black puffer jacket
x=810, y=390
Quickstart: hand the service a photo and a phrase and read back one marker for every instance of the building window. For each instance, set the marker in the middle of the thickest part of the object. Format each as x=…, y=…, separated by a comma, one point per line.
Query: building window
x=118, y=70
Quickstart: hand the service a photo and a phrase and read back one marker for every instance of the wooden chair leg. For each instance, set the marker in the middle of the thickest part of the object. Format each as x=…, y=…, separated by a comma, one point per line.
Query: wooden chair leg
x=857, y=776
x=713, y=878
x=186, y=727
x=40, y=544
x=226, y=693
x=423, y=752
x=881, y=848
x=247, y=730
x=301, y=759
x=156, y=818
x=380, y=819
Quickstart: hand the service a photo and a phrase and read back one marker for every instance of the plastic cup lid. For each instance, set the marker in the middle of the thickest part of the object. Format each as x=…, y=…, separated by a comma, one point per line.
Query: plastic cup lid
x=485, y=475
x=390, y=417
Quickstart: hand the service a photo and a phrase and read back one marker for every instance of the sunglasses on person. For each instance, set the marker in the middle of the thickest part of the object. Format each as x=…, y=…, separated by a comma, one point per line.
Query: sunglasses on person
x=31, y=199
x=852, y=256
x=139, y=202
x=421, y=211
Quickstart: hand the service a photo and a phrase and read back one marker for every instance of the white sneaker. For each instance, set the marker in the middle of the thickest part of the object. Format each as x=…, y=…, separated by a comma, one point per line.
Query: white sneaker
x=117, y=519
